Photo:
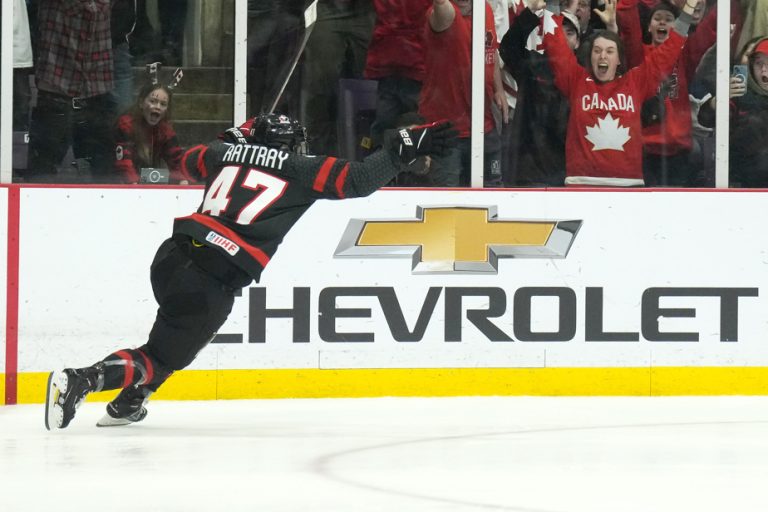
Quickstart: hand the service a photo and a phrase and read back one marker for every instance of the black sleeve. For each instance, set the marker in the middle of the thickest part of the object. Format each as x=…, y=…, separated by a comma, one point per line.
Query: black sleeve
x=324, y=176
x=512, y=48
x=335, y=178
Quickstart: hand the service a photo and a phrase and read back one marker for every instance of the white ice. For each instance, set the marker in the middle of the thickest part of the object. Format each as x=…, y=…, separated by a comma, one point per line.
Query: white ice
x=395, y=454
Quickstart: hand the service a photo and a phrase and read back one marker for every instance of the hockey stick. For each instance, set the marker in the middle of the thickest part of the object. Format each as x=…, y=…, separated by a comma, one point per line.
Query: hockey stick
x=310, y=16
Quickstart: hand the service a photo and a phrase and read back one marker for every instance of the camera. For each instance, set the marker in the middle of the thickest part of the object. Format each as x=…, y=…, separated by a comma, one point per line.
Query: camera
x=154, y=176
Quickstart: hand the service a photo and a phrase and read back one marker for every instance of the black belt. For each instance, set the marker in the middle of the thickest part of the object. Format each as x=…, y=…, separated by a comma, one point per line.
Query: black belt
x=76, y=102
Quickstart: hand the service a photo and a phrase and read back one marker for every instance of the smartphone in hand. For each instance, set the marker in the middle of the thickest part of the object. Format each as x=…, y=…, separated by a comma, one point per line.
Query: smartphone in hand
x=740, y=71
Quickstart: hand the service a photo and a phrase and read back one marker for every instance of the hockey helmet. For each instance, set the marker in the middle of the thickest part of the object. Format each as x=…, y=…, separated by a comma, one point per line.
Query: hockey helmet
x=276, y=130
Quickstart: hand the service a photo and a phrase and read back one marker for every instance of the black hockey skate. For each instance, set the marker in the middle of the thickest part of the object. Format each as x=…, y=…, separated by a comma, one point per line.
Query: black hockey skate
x=127, y=408
x=66, y=391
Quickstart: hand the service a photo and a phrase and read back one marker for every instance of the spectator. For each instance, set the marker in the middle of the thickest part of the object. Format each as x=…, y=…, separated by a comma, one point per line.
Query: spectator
x=335, y=49
x=74, y=74
x=754, y=23
x=172, y=15
x=537, y=154
x=504, y=12
x=666, y=117
x=701, y=91
x=701, y=9
x=749, y=119
x=603, y=142
x=582, y=9
x=446, y=93
x=705, y=86
x=704, y=80
x=122, y=24
x=145, y=137
x=396, y=60
x=275, y=31
x=22, y=64
x=591, y=15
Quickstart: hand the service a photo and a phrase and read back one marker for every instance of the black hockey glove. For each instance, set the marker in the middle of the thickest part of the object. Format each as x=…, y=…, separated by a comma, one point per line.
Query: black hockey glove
x=233, y=136
x=429, y=139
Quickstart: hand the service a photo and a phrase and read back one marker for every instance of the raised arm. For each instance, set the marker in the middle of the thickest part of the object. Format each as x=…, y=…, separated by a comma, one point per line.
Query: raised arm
x=630, y=32
x=608, y=15
x=499, y=95
x=333, y=178
x=660, y=62
x=442, y=15
x=700, y=41
x=561, y=58
x=512, y=49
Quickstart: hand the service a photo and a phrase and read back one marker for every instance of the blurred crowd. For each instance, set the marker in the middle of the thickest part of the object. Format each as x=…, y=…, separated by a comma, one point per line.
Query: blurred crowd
x=577, y=92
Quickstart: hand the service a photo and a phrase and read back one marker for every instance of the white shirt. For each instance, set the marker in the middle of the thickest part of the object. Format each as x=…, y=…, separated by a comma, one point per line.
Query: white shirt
x=22, y=44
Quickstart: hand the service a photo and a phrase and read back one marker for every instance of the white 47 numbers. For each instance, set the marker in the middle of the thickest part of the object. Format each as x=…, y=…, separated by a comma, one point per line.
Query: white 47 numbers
x=218, y=196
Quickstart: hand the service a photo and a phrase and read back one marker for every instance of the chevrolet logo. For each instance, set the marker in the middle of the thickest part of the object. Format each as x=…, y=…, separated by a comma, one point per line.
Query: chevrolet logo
x=457, y=239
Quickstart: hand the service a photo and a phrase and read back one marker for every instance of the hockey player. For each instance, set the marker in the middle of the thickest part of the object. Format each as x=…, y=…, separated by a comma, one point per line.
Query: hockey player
x=257, y=185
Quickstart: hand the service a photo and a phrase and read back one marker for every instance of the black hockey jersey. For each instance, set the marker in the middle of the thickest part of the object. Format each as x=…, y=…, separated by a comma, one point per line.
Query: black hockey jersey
x=254, y=194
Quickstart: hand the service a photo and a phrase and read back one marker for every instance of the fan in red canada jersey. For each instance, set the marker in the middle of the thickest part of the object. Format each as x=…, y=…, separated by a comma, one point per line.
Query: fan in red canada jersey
x=604, y=134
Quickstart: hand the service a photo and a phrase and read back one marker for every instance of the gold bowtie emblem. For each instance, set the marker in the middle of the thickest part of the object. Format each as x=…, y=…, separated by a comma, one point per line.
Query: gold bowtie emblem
x=457, y=239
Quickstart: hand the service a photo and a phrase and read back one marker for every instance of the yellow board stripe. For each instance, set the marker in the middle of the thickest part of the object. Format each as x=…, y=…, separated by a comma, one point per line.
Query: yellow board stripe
x=426, y=382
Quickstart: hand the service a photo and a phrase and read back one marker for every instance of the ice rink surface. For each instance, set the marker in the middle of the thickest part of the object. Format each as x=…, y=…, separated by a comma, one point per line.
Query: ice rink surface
x=395, y=454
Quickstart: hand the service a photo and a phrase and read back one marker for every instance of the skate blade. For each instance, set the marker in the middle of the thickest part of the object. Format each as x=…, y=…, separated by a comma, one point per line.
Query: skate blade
x=109, y=421
x=53, y=412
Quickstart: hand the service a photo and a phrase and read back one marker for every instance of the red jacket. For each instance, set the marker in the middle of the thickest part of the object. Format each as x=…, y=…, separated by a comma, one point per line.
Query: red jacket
x=165, y=150
x=673, y=134
x=446, y=93
x=397, y=44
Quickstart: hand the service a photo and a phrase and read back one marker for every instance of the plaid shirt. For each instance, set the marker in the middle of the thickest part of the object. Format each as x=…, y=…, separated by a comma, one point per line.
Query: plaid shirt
x=74, y=50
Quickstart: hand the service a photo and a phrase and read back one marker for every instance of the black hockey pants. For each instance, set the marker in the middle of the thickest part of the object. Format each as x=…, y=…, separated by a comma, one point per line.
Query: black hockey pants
x=194, y=301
